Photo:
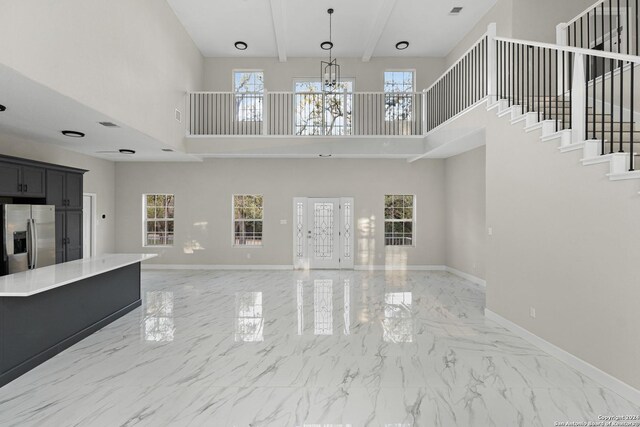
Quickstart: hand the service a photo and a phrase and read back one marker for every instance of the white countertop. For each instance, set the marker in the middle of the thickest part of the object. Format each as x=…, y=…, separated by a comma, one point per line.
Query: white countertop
x=43, y=279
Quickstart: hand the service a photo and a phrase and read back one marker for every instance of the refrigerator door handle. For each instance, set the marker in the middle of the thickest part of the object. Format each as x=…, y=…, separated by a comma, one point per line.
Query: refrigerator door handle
x=34, y=234
x=30, y=247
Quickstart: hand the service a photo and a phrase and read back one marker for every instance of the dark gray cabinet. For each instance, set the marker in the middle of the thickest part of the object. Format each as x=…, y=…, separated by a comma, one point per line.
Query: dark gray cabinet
x=73, y=233
x=18, y=180
x=64, y=189
x=68, y=235
x=59, y=186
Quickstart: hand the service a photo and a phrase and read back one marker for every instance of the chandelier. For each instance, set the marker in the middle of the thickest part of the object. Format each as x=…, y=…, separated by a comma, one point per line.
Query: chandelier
x=329, y=71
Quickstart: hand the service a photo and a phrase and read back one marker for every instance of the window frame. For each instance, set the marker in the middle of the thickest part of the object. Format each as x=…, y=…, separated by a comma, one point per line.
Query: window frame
x=245, y=70
x=145, y=219
x=295, y=105
x=400, y=70
x=233, y=222
x=258, y=97
x=392, y=220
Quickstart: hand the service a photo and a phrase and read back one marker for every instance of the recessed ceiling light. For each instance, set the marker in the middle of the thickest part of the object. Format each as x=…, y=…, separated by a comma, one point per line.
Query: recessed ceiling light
x=456, y=10
x=127, y=151
x=73, y=134
x=402, y=45
x=240, y=45
x=168, y=150
x=2, y=107
x=325, y=155
x=326, y=45
x=109, y=124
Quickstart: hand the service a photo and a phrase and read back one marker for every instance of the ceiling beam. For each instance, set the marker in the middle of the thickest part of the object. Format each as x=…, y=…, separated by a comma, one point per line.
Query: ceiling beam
x=386, y=7
x=277, y=16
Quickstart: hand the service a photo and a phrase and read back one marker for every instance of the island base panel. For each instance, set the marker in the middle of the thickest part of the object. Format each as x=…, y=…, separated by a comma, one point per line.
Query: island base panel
x=36, y=328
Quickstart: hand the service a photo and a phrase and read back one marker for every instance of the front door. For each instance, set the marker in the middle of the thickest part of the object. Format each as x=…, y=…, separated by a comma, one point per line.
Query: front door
x=323, y=233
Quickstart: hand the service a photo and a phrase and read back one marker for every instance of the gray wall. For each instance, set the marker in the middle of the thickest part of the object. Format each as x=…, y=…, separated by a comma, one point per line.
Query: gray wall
x=203, y=206
x=465, y=193
x=279, y=76
x=565, y=241
x=522, y=19
x=99, y=180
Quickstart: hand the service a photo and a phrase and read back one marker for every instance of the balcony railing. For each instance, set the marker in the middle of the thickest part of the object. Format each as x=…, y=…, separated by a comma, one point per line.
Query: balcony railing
x=306, y=114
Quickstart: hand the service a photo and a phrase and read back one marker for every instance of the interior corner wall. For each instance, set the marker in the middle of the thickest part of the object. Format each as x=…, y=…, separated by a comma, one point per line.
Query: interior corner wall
x=565, y=242
x=203, y=212
x=99, y=180
x=501, y=13
x=465, y=211
x=130, y=60
x=537, y=20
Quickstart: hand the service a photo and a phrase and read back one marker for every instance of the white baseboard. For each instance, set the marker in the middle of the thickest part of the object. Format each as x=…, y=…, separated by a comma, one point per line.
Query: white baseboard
x=467, y=276
x=214, y=267
x=400, y=267
x=623, y=389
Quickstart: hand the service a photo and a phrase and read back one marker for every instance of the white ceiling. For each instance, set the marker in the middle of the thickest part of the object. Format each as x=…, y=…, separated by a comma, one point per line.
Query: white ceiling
x=295, y=28
x=38, y=113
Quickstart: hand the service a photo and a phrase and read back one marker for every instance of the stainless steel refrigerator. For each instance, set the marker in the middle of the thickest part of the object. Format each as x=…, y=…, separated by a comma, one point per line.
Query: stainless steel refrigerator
x=28, y=237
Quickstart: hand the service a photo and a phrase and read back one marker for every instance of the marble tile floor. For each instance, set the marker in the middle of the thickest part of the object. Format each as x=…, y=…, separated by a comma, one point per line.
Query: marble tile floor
x=285, y=348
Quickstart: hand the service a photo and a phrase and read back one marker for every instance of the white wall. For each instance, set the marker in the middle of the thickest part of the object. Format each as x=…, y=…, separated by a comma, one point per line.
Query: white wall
x=465, y=193
x=279, y=76
x=203, y=206
x=100, y=180
x=565, y=241
x=130, y=60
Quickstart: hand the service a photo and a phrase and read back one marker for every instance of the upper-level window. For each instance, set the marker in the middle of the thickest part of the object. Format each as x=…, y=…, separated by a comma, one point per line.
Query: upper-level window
x=398, y=220
x=247, y=220
x=249, y=89
x=323, y=113
x=398, y=81
x=399, y=96
x=158, y=219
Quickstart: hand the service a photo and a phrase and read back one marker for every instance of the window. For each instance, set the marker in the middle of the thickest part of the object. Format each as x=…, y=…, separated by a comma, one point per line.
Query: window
x=398, y=88
x=247, y=220
x=158, y=219
x=249, y=89
x=398, y=81
x=398, y=220
x=323, y=113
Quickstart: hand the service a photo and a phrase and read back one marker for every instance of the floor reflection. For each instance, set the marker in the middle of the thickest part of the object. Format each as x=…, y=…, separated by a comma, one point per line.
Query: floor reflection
x=323, y=307
x=397, y=325
x=249, y=320
x=158, y=323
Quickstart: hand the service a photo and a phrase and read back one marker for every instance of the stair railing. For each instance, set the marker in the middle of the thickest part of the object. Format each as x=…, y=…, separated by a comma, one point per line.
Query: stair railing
x=558, y=85
x=465, y=84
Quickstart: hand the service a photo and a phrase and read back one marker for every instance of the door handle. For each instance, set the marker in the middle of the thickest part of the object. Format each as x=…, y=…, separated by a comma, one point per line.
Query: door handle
x=20, y=188
x=25, y=188
x=68, y=240
x=34, y=234
x=29, y=245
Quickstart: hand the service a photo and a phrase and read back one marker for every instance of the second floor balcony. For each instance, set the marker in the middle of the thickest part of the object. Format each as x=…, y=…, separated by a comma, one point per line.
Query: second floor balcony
x=335, y=114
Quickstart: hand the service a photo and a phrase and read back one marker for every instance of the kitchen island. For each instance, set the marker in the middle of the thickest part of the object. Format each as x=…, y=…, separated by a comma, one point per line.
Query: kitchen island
x=46, y=310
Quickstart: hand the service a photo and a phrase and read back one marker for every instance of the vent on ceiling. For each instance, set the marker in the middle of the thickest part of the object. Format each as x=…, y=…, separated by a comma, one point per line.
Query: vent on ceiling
x=456, y=10
x=109, y=124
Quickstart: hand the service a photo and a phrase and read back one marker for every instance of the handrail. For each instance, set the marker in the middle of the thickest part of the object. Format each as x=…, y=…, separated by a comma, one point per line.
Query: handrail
x=462, y=57
x=586, y=11
x=578, y=50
